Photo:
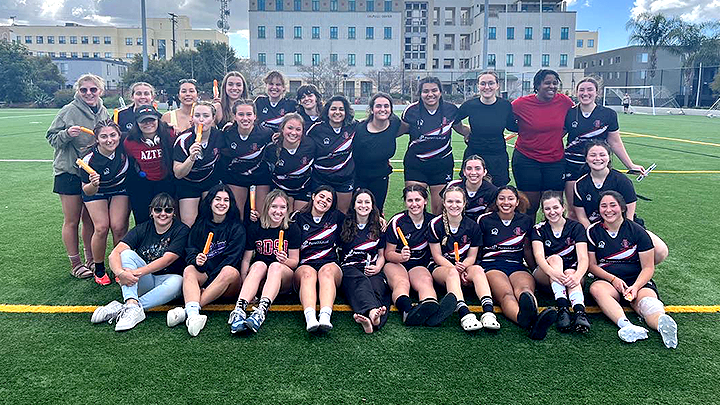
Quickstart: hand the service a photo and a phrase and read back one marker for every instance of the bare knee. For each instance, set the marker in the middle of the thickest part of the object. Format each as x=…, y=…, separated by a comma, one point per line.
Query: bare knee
x=275, y=269
x=101, y=228
x=228, y=274
x=555, y=261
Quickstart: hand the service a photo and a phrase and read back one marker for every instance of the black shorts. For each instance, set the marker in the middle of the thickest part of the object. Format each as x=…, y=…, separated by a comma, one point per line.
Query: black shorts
x=531, y=175
x=67, y=184
x=496, y=165
x=629, y=281
x=573, y=171
x=103, y=196
x=506, y=267
x=189, y=189
x=259, y=178
x=301, y=195
x=432, y=173
x=415, y=263
x=339, y=185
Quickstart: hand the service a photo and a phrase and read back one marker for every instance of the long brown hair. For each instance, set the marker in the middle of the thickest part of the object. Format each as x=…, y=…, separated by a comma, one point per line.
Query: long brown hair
x=227, y=108
x=523, y=202
x=350, y=229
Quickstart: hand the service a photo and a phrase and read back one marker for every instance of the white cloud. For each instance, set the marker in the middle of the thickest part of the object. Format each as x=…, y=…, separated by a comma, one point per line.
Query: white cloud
x=689, y=10
x=50, y=8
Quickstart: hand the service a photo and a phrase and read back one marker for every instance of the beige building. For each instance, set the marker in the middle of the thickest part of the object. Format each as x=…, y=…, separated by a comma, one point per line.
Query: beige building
x=79, y=41
x=586, y=42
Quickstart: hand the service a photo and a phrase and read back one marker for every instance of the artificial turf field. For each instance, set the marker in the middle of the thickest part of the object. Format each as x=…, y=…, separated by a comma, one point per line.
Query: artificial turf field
x=62, y=358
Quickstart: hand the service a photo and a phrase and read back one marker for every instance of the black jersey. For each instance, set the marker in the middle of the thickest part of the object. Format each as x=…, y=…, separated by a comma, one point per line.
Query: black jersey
x=245, y=157
x=265, y=242
x=487, y=124
x=203, y=168
x=373, y=150
x=112, y=169
x=291, y=170
x=126, y=118
x=562, y=245
x=467, y=235
x=150, y=246
x=582, y=130
x=417, y=238
x=503, y=243
x=319, y=238
x=430, y=134
x=226, y=249
x=588, y=196
x=308, y=121
x=363, y=249
x=478, y=202
x=333, y=152
x=269, y=115
x=619, y=255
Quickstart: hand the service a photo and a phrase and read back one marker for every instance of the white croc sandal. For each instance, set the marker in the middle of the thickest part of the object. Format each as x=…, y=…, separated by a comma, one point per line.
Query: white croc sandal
x=470, y=323
x=489, y=321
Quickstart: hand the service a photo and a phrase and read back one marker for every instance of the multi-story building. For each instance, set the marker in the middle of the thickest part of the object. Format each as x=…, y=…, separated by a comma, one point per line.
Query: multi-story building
x=78, y=41
x=586, y=42
x=109, y=69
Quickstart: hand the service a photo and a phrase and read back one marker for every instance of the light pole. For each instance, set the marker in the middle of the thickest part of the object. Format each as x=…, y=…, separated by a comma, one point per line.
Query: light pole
x=173, y=18
x=144, y=35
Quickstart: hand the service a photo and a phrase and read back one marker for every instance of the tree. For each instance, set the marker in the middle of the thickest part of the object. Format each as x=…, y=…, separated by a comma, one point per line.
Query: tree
x=715, y=85
x=652, y=31
x=327, y=76
x=14, y=59
x=390, y=79
x=46, y=76
x=254, y=73
x=163, y=74
x=696, y=44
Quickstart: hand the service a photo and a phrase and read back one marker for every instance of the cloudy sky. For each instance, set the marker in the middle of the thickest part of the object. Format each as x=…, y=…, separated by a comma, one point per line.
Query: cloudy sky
x=609, y=16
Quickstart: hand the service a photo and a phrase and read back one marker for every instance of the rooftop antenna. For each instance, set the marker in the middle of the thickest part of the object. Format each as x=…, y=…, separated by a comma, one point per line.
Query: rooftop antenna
x=223, y=24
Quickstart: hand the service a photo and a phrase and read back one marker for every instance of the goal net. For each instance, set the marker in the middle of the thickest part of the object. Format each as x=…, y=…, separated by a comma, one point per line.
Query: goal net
x=714, y=111
x=643, y=99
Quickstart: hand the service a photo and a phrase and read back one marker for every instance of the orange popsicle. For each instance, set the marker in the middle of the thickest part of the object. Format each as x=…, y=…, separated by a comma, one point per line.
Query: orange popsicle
x=206, y=249
x=402, y=236
x=457, y=252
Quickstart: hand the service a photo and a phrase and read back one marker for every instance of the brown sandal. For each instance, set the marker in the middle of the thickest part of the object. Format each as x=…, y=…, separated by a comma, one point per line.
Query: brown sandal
x=81, y=271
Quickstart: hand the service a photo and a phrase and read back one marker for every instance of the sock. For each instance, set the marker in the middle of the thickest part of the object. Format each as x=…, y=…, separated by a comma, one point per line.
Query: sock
x=462, y=308
x=487, y=303
x=241, y=304
x=577, y=298
x=558, y=289
x=75, y=260
x=310, y=315
x=562, y=302
x=623, y=322
x=264, y=305
x=325, y=313
x=88, y=254
x=192, y=308
x=403, y=303
x=99, y=269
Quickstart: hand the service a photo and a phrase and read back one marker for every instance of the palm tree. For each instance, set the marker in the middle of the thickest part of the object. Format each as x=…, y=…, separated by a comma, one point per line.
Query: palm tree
x=696, y=44
x=652, y=31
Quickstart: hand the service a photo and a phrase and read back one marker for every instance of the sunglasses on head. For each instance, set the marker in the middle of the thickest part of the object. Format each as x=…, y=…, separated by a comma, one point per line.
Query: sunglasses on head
x=159, y=210
x=92, y=90
x=183, y=81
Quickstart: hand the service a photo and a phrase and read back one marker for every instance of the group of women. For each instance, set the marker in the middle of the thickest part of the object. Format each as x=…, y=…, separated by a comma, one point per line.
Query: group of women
x=320, y=179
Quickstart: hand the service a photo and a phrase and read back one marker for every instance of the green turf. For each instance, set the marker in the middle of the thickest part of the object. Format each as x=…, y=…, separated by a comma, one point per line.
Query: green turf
x=64, y=359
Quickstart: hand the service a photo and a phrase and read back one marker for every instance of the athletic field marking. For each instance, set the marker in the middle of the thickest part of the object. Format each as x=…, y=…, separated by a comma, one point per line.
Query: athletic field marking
x=26, y=160
x=70, y=309
x=669, y=139
x=27, y=116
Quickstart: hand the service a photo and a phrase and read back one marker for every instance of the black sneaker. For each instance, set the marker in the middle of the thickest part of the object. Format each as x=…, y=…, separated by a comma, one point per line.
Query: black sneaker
x=528, y=311
x=581, y=323
x=564, y=323
x=542, y=324
x=421, y=312
x=446, y=308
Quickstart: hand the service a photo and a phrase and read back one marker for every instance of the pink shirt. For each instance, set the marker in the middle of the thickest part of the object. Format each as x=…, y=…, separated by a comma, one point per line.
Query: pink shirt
x=540, y=126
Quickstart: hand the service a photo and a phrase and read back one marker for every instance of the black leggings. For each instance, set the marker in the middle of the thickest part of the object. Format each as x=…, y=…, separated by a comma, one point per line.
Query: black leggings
x=378, y=186
x=365, y=293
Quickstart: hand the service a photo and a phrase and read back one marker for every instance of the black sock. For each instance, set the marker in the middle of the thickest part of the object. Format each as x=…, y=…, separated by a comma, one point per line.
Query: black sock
x=462, y=308
x=241, y=304
x=579, y=308
x=563, y=302
x=403, y=303
x=99, y=269
x=487, y=303
x=264, y=304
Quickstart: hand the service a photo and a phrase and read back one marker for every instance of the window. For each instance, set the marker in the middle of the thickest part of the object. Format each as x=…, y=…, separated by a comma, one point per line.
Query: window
x=86, y=54
x=51, y=39
x=278, y=5
x=527, y=59
x=187, y=43
x=643, y=57
x=449, y=43
x=369, y=32
x=448, y=63
x=600, y=62
x=51, y=54
x=73, y=40
x=297, y=32
x=387, y=59
x=369, y=59
x=28, y=39
x=138, y=41
x=196, y=42
x=315, y=5
x=528, y=32
x=63, y=54
x=315, y=32
x=449, y=15
x=546, y=33
x=565, y=33
x=464, y=64
x=262, y=59
x=388, y=5
x=279, y=32
x=492, y=33
x=580, y=43
x=387, y=33
x=642, y=74
x=333, y=5
x=108, y=55
x=545, y=60
x=617, y=59
x=509, y=59
x=351, y=32
x=315, y=59
x=591, y=43
x=107, y=40
x=261, y=31
x=261, y=7
x=96, y=54
x=510, y=32
x=75, y=55
x=526, y=86
x=61, y=39
x=297, y=5
x=128, y=41
x=39, y=39
x=435, y=63
x=96, y=40
x=85, y=40
x=351, y=5
x=333, y=32
x=333, y=58
x=491, y=59
x=297, y=59
x=280, y=59
x=370, y=6
x=366, y=89
x=351, y=59
x=563, y=59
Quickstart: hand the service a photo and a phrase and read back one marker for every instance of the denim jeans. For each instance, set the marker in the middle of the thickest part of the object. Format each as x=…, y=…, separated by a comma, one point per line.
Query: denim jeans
x=151, y=290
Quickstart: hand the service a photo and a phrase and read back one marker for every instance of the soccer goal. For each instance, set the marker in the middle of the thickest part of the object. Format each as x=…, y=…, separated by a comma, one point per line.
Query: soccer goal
x=714, y=111
x=643, y=99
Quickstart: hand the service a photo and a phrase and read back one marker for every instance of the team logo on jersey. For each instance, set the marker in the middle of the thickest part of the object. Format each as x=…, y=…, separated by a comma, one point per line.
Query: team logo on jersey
x=281, y=163
x=129, y=126
x=282, y=111
x=345, y=135
x=464, y=239
x=254, y=147
x=574, y=124
x=106, y=171
x=304, y=160
x=326, y=141
x=625, y=244
x=569, y=241
x=601, y=245
x=548, y=243
x=494, y=231
x=588, y=197
x=444, y=121
x=306, y=227
x=597, y=123
x=265, y=110
x=233, y=145
x=420, y=123
x=448, y=177
x=518, y=231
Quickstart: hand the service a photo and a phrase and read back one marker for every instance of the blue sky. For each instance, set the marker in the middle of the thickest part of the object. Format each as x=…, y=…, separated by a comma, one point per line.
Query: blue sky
x=608, y=17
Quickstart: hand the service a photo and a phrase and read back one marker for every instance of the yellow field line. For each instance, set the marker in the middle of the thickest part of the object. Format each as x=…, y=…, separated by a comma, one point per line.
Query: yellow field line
x=398, y=170
x=669, y=139
x=69, y=309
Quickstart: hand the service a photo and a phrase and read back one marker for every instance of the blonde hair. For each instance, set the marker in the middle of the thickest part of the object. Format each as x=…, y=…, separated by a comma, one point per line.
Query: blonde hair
x=136, y=84
x=265, y=221
x=99, y=81
x=446, y=222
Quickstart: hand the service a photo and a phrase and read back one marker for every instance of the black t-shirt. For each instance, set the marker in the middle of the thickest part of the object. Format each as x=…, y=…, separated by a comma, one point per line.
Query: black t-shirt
x=467, y=235
x=203, y=168
x=478, y=202
x=373, y=150
x=562, y=245
x=265, y=242
x=319, y=238
x=333, y=152
x=150, y=246
x=487, y=124
x=291, y=171
x=126, y=118
x=430, y=134
x=226, y=249
x=588, y=196
x=619, y=255
x=581, y=130
x=269, y=115
x=112, y=170
x=363, y=249
x=503, y=243
x=245, y=157
x=417, y=238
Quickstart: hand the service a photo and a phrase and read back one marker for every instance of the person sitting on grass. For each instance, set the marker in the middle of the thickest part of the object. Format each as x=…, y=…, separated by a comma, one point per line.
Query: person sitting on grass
x=213, y=274
x=148, y=266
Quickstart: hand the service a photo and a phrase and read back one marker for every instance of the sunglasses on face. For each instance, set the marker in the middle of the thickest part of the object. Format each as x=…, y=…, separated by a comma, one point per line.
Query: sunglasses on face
x=92, y=90
x=159, y=210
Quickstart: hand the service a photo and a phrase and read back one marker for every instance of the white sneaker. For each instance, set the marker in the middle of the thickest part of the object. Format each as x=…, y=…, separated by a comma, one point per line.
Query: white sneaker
x=668, y=331
x=129, y=317
x=470, y=323
x=489, y=321
x=176, y=316
x=106, y=313
x=312, y=326
x=632, y=333
x=195, y=324
x=324, y=324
